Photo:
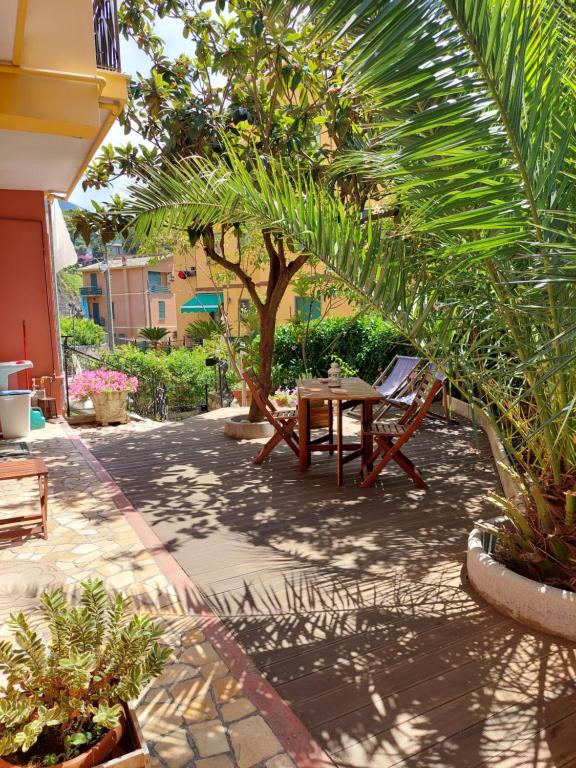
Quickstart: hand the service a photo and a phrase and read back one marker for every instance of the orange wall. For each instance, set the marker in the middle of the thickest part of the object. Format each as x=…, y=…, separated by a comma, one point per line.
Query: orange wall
x=26, y=289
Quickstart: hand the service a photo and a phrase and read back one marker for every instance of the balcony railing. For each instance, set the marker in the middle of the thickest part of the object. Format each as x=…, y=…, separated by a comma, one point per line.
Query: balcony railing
x=159, y=289
x=90, y=290
x=106, y=34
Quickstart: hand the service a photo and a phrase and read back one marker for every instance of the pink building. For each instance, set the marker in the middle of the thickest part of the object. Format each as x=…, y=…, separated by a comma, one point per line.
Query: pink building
x=141, y=295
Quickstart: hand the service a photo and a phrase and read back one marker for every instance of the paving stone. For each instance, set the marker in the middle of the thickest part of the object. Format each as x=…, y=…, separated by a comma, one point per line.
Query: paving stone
x=253, y=741
x=226, y=688
x=210, y=738
x=222, y=761
x=199, y=654
x=175, y=751
x=158, y=718
x=185, y=690
x=214, y=670
x=280, y=761
x=235, y=710
x=175, y=673
x=199, y=709
x=193, y=636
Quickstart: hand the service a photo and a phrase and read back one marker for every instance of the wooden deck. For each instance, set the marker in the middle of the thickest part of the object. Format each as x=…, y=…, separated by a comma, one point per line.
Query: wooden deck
x=353, y=602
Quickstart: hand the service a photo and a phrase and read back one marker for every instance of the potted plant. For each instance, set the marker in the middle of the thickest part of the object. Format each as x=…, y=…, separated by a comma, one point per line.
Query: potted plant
x=285, y=398
x=108, y=391
x=64, y=700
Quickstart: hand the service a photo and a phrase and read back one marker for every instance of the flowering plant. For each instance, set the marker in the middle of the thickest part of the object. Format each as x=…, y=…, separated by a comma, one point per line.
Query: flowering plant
x=100, y=381
x=285, y=398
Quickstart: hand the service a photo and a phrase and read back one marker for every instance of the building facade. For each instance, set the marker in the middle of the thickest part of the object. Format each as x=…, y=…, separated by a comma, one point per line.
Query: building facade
x=142, y=295
x=202, y=289
x=60, y=91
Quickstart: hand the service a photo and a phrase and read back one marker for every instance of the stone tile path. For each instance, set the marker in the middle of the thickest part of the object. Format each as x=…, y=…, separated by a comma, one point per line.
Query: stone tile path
x=199, y=712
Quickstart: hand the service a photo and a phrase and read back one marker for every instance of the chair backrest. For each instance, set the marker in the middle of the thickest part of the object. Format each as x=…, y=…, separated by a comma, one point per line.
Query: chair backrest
x=259, y=395
x=396, y=375
x=423, y=398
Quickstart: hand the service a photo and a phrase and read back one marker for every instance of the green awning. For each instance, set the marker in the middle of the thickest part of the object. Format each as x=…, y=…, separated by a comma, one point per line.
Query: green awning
x=203, y=302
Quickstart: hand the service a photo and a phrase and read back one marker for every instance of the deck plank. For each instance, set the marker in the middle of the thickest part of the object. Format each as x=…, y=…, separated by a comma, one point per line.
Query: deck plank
x=353, y=601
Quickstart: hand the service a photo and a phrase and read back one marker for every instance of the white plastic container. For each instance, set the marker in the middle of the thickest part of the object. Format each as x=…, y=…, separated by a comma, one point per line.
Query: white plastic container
x=15, y=412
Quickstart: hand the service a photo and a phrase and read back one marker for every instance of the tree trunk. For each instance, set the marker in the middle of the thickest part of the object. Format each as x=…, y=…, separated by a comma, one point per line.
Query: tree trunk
x=266, y=352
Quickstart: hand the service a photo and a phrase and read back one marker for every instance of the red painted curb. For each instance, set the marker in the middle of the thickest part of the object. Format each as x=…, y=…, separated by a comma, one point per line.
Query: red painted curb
x=284, y=723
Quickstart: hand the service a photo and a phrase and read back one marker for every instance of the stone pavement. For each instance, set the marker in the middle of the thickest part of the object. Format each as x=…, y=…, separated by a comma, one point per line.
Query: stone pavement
x=198, y=713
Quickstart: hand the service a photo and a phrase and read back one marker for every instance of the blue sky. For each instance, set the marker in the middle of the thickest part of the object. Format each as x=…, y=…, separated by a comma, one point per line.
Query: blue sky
x=133, y=60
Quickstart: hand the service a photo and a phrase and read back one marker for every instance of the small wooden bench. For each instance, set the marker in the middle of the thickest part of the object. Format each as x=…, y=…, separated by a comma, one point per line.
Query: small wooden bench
x=16, y=469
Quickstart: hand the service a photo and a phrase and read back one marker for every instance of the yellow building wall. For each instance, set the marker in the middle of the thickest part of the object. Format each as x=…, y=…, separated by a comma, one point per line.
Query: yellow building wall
x=212, y=279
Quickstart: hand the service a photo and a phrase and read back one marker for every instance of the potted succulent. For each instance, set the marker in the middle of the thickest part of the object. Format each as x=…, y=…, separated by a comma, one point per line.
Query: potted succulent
x=63, y=699
x=285, y=398
x=108, y=391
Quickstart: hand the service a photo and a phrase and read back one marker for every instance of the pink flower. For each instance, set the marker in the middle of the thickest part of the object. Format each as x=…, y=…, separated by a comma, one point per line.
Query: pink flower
x=90, y=383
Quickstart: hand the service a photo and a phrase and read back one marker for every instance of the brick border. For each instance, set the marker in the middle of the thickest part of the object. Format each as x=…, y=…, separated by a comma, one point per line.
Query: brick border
x=284, y=723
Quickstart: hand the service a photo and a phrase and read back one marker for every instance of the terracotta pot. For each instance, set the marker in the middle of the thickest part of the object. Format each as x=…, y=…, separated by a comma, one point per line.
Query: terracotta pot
x=111, y=407
x=238, y=396
x=92, y=757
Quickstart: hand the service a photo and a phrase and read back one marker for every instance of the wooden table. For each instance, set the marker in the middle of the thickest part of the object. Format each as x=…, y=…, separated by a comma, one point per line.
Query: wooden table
x=353, y=391
x=24, y=525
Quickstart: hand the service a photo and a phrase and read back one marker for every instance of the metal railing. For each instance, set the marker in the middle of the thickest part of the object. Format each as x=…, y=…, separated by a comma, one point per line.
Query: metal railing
x=106, y=34
x=159, y=289
x=90, y=290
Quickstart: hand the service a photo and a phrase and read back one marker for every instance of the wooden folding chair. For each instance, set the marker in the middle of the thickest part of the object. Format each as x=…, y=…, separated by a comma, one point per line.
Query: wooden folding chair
x=404, y=397
x=283, y=420
x=390, y=436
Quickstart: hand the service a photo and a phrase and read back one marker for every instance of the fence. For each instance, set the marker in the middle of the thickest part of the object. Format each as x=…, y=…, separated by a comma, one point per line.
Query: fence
x=151, y=399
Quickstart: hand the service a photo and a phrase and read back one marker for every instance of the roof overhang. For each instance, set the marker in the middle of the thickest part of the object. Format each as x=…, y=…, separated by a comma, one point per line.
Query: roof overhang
x=203, y=302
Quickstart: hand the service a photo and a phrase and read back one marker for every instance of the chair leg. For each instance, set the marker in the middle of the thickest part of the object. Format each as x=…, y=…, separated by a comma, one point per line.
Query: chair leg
x=269, y=447
x=43, y=488
x=411, y=470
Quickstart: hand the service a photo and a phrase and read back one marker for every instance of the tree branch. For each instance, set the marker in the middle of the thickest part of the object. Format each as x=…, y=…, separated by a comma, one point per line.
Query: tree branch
x=208, y=243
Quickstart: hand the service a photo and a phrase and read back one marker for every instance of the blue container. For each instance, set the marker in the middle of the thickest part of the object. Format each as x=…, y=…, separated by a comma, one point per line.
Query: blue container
x=37, y=420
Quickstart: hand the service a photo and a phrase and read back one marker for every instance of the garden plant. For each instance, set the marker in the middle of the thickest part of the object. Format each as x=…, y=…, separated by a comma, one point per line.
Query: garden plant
x=61, y=696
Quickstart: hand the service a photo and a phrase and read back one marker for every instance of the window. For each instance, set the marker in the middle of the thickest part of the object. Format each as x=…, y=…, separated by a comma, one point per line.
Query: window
x=307, y=309
x=154, y=280
x=93, y=280
x=161, y=310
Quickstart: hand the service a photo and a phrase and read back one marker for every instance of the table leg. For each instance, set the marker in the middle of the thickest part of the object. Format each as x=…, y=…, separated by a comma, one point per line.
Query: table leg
x=304, y=433
x=339, y=465
x=367, y=440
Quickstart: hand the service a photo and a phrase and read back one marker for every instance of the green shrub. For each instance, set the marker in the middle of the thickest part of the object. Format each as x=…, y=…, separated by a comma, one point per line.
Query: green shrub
x=366, y=344
x=82, y=331
x=182, y=372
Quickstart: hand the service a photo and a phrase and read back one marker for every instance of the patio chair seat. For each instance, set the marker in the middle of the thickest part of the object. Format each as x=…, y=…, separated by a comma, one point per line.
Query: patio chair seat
x=391, y=428
x=285, y=413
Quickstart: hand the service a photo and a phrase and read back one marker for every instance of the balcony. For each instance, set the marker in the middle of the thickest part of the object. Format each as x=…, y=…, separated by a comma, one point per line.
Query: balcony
x=90, y=290
x=106, y=35
x=163, y=289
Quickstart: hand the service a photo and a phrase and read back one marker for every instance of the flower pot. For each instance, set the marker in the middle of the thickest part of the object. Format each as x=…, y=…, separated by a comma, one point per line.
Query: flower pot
x=110, y=407
x=238, y=396
x=93, y=756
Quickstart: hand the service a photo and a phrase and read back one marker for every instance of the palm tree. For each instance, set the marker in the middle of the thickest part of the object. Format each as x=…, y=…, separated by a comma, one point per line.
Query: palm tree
x=154, y=334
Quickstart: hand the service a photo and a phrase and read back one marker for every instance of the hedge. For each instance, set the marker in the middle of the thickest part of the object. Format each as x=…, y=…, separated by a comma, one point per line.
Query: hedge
x=366, y=344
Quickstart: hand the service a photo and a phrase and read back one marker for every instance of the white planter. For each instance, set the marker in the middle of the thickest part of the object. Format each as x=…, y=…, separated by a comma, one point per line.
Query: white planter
x=539, y=606
x=239, y=428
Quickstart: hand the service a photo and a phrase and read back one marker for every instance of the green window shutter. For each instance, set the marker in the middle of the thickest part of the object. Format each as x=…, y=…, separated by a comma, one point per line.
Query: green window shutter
x=162, y=310
x=307, y=309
